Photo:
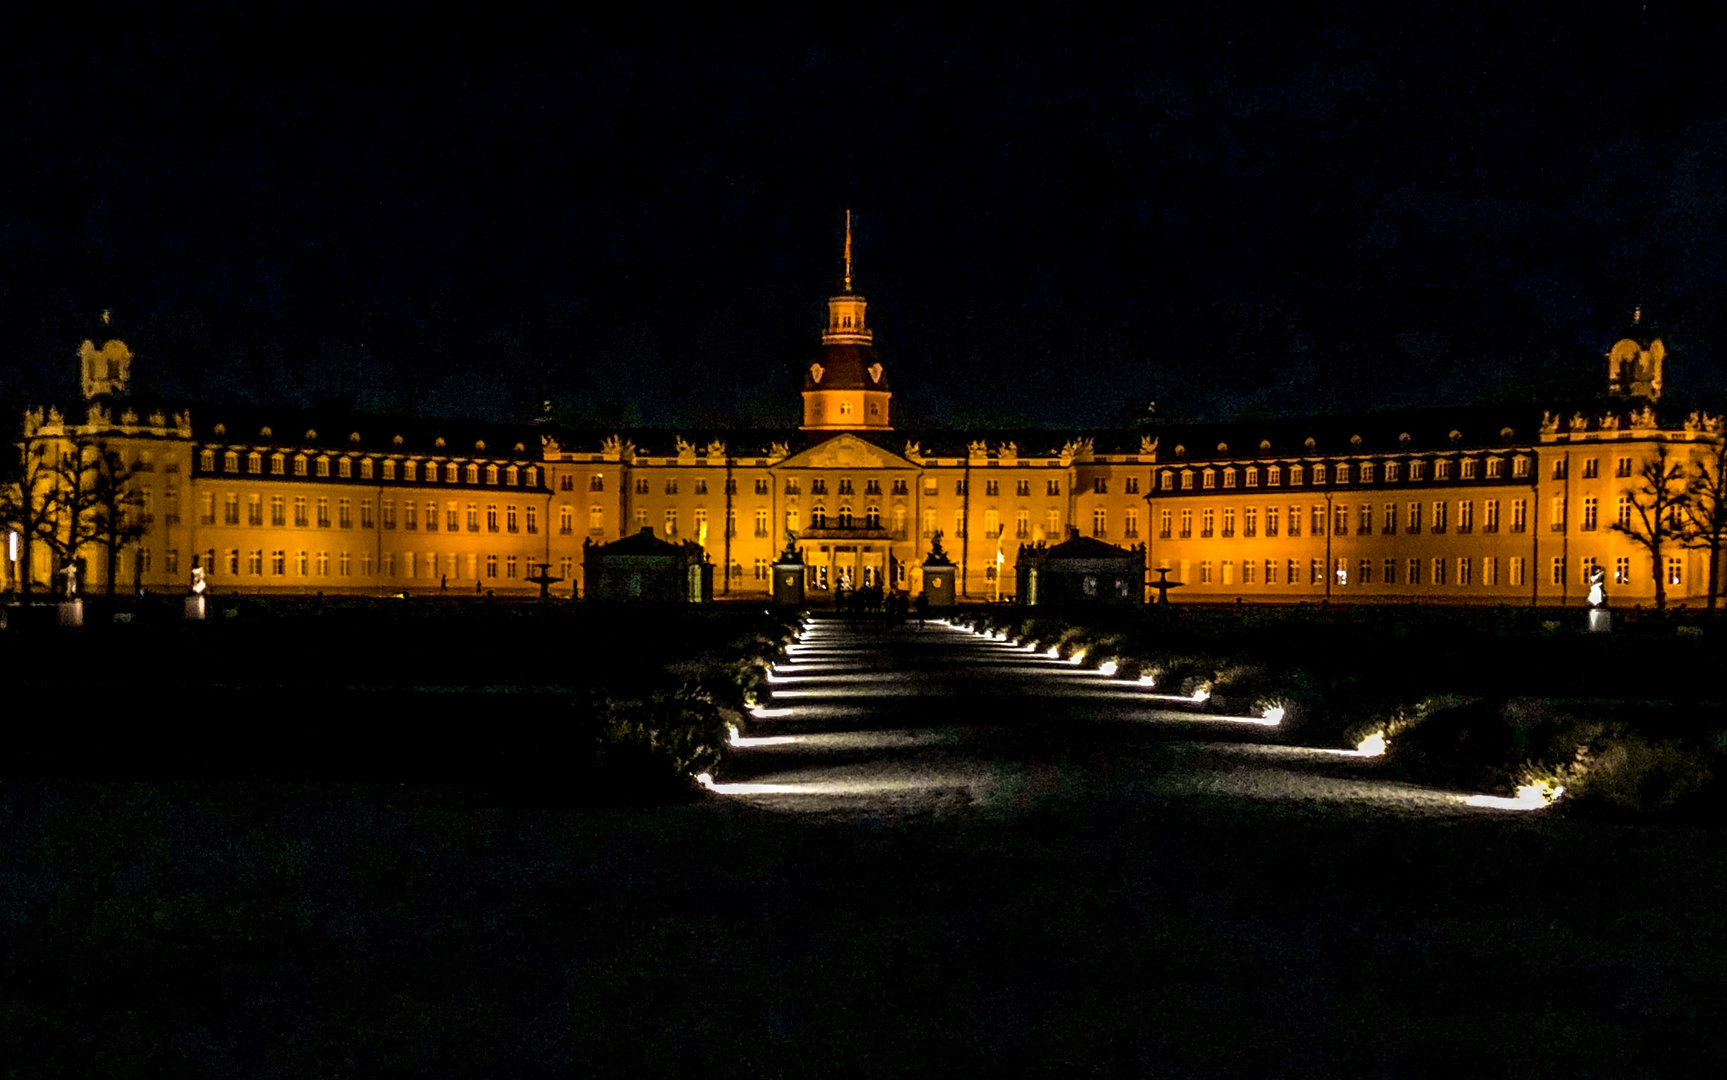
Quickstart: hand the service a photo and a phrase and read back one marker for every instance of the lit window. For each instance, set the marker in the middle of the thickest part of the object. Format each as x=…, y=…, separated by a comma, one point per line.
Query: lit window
x=324, y=466
x=254, y=463
x=345, y=469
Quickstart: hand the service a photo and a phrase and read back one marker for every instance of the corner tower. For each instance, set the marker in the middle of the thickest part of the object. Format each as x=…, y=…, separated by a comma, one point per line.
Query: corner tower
x=1634, y=362
x=104, y=371
x=845, y=388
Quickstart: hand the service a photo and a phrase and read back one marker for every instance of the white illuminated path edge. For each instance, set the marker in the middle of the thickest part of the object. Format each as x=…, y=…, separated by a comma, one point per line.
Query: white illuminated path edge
x=822, y=654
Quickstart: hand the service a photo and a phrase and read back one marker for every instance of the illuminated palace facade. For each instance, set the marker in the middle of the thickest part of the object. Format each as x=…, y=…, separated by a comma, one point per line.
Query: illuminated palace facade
x=1461, y=506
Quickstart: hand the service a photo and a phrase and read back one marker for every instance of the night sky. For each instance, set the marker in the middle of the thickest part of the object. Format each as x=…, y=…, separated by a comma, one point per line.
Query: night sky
x=1224, y=210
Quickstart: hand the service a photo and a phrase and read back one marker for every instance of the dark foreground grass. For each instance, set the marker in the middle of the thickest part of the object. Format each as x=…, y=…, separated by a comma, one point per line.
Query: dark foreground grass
x=202, y=928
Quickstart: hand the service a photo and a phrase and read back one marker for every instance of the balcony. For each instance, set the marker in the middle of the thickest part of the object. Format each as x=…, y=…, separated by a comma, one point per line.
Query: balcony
x=856, y=532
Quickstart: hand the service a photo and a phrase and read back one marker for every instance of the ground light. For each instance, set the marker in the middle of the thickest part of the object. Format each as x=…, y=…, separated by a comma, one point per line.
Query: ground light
x=1108, y=667
x=768, y=714
x=767, y=740
x=1372, y=746
x=1148, y=680
x=1528, y=797
x=1274, y=714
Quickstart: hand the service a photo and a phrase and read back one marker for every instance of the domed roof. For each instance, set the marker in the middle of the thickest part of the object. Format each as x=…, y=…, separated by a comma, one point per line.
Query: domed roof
x=845, y=367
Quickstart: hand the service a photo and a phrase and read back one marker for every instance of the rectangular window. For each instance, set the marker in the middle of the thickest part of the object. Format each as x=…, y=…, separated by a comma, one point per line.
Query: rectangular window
x=1052, y=487
x=1591, y=508
x=596, y=520
x=1130, y=524
x=1558, y=513
x=1293, y=573
x=1414, y=575
x=1622, y=571
x=389, y=513
x=1623, y=468
x=1248, y=567
x=1271, y=571
x=231, y=508
x=959, y=522
x=300, y=563
x=492, y=517
x=1390, y=568
x=323, y=564
x=1441, y=471
x=1439, y=522
x=1229, y=522
x=452, y=518
x=1675, y=570
x=1413, y=522
x=1228, y=482
x=510, y=566
x=345, y=513
x=1490, y=570
x=1316, y=521
x=1490, y=515
x=1186, y=524
x=1559, y=468
x=1519, y=515
x=761, y=522
x=1558, y=570
x=344, y=564
x=1516, y=569
x=1340, y=521
x=389, y=471
x=671, y=523
x=410, y=516
x=1495, y=468
x=1417, y=471
x=700, y=526
x=323, y=513
x=1366, y=472
x=388, y=568
x=254, y=510
x=278, y=511
x=491, y=566
x=1228, y=570
x=1294, y=522
x=365, y=513
x=1250, y=522
x=1270, y=524
x=531, y=516
x=278, y=563
x=1465, y=516
x=1315, y=572
x=1205, y=572
x=1251, y=479
x=1051, y=525
x=1021, y=523
x=1364, y=520
x=1132, y=483
x=1463, y=570
x=1207, y=522
x=1591, y=467
x=255, y=562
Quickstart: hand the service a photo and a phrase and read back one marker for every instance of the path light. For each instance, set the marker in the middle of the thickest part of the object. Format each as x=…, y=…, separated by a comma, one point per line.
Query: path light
x=1054, y=653
x=1148, y=680
x=767, y=714
x=1107, y=668
x=1202, y=694
x=1078, y=657
x=1529, y=797
x=1372, y=746
x=1274, y=714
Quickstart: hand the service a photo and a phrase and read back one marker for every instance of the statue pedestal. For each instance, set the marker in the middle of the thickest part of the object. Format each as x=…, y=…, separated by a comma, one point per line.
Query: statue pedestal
x=197, y=609
x=1600, y=621
x=71, y=613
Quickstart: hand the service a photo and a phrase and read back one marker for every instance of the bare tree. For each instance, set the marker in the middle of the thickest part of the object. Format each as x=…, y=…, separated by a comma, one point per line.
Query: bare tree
x=115, y=507
x=28, y=506
x=1658, y=506
x=1706, y=504
x=71, y=505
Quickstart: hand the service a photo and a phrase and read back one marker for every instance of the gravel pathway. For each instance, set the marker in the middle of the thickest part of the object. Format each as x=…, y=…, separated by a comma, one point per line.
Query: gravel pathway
x=874, y=720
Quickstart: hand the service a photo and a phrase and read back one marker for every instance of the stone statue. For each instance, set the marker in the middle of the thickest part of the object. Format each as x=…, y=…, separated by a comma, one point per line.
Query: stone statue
x=198, y=581
x=71, y=573
x=1597, y=588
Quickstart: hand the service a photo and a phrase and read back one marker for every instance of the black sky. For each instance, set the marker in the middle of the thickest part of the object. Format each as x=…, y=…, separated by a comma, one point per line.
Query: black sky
x=1223, y=209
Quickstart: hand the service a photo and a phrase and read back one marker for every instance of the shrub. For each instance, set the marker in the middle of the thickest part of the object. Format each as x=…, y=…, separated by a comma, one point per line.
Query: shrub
x=1627, y=775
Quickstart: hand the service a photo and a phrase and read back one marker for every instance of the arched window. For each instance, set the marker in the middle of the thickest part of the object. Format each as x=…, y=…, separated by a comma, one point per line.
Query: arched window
x=845, y=517
x=473, y=474
x=818, y=517
x=872, y=517
x=254, y=463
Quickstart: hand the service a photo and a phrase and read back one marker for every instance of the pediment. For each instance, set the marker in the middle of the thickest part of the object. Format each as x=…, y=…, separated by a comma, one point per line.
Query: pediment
x=846, y=451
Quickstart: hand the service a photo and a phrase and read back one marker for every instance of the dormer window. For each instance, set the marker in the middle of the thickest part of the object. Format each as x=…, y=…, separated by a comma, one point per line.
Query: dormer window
x=473, y=474
x=324, y=466
x=230, y=462
x=1273, y=475
x=207, y=460
x=410, y=470
x=299, y=464
x=389, y=470
x=344, y=468
x=1295, y=475
x=491, y=474
x=366, y=469
x=511, y=475
x=254, y=463
x=278, y=464
x=1251, y=479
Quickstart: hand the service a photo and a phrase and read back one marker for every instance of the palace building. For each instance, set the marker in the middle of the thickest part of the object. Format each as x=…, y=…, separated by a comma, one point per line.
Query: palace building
x=1455, y=506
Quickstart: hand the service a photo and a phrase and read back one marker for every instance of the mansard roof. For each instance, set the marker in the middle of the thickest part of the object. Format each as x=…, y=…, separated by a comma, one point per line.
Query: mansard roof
x=334, y=431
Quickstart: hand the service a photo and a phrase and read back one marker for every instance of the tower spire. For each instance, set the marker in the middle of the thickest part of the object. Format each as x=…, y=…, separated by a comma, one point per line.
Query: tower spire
x=848, y=252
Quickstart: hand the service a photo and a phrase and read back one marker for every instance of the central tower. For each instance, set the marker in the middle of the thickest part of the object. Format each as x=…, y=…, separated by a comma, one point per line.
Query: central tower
x=845, y=388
